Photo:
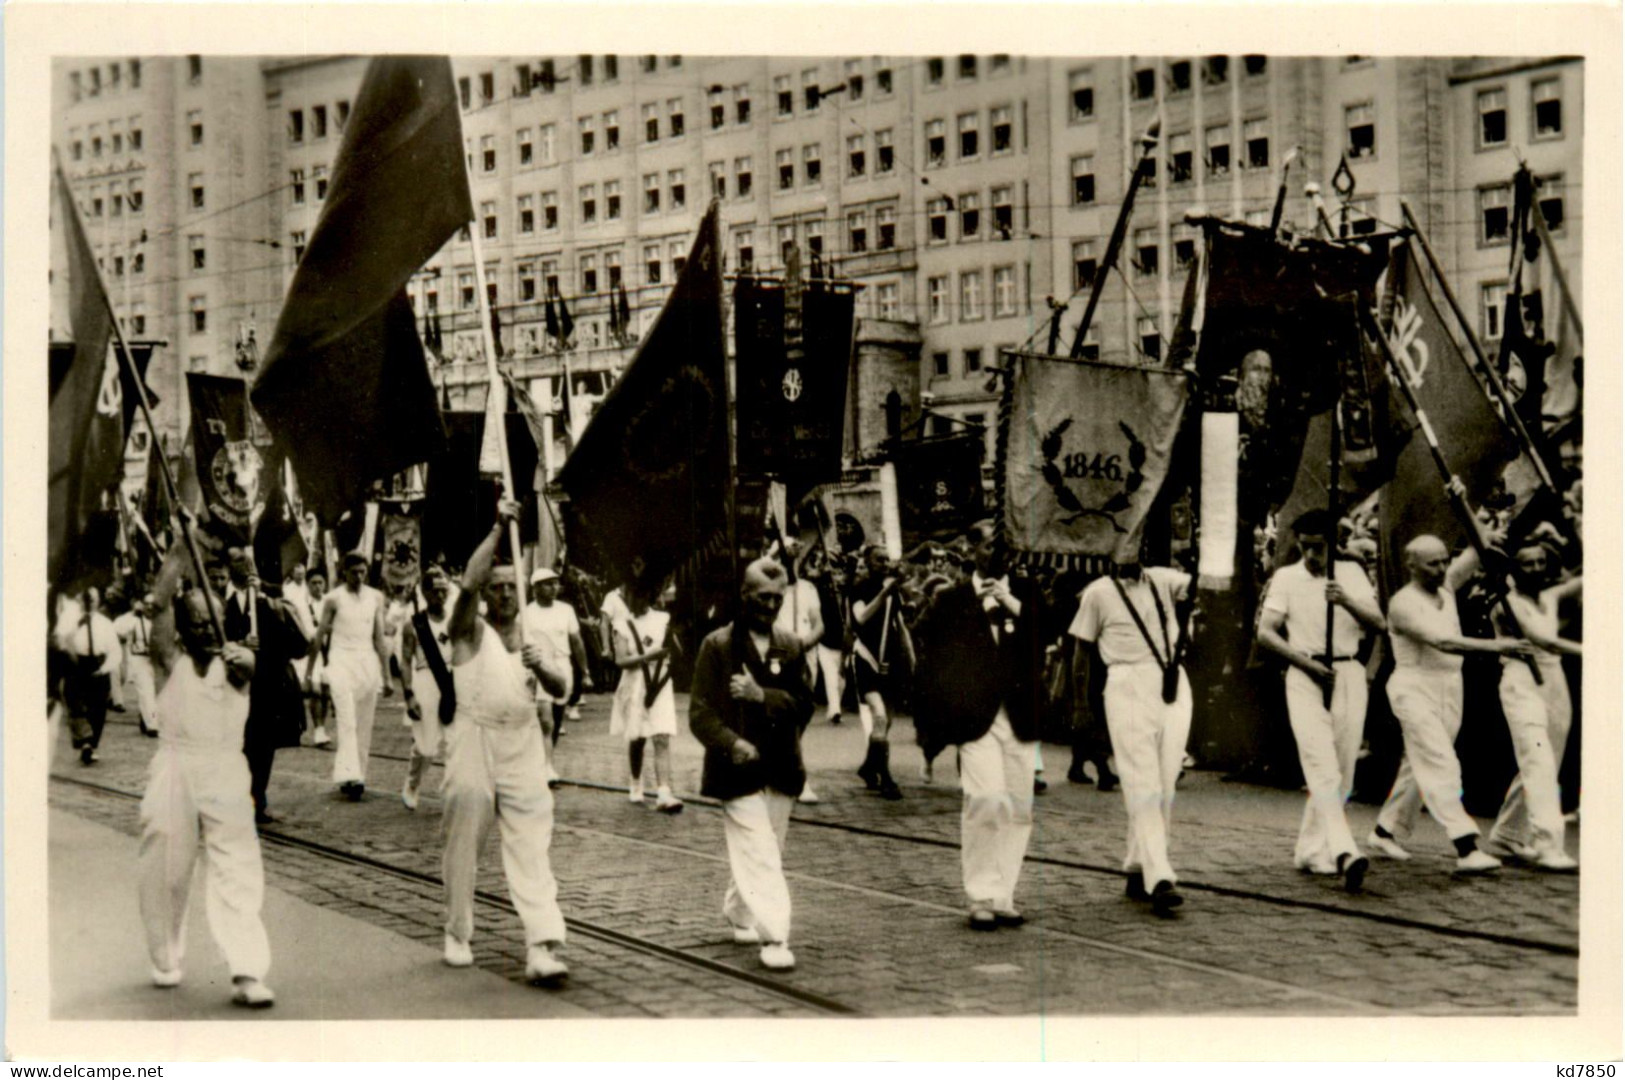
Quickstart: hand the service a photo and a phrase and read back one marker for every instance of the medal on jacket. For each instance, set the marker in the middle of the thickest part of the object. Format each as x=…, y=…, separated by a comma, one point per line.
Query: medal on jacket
x=774, y=665
x=1009, y=626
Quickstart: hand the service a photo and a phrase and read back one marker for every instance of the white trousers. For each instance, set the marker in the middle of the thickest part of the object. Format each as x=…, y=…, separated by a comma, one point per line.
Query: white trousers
x=192, y=790
x=1427, y=705
x=1538, y=718
x=829, y=662
x=354, y=682
x=500, y=775
x=138, y=675
x=1148, y=741
x=758, y=897
x=428, y=733
x=1328, y=747
x=996, y=821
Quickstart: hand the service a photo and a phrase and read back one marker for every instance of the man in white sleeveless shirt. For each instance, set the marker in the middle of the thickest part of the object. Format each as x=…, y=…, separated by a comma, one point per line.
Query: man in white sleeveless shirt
x=1425, y=693
x=419, y=678
x=352, y=638
x=496, y=765
x=197, y=795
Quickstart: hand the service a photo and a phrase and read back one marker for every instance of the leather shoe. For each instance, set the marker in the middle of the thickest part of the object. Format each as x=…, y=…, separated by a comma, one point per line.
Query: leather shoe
x=1009, y=918
x=983, y=919
x=1136, y=887
x=1164, y=899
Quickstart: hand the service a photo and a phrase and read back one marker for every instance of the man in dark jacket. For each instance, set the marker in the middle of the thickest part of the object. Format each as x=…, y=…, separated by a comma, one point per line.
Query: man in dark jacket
x=276, y=711
x=981, y=656
x=749, y=702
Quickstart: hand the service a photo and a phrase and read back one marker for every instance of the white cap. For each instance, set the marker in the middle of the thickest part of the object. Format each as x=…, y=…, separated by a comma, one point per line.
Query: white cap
x=543, y=574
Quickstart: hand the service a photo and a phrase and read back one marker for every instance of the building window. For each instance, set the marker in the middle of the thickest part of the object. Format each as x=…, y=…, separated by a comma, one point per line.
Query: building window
x=934, y=71
x=718, y=172
x=1362, y=223
x=194, y=125
x=199, y=255
x=585, y=126
x=936, y=144
x=651, y=193
x=1218, y=150
x=1492, y=117
x=1180, y=157
x=941, y=365
x=135, y=137
x=194, y=69
x=584, y=69
x=138, y=312
x=970, y=295
x=589, y=204
x=78, y=150
x=883, y=79
x=1004, y=291
x=719, y=110
x=1256, y=132
x=814, y=229
x=547, y=78
x=1083, y=264
x=488, y=153
x=1492, y=303
x=589, y=273
x=937, y=298
x=1184, y=246
x=319, y=174
x=194, y=183
x=970, y=216
x=886, y=295
x=648, y=64
x=973, y=361
x=674, y=118
x=811, y=165
x=885, y=158
x=527, y=150
x=651, y=123
x=138, y=263
x=488, y=219
x=1361, y=124
x=1547, y=95
x=341, y=114
x=1003, y=213
x=1216, y=70
x=857, y=232
x=523, y=80
x=1083, y=180
x=855, y=161
x=651, y=264
x=937, y=220
x=318, y=122
x=967, y=66
x=527, y=214
x=135, y=73
x=465, y=290
x=1003, y=129
x=1255, y=65
x=1150, y=339
x=527, y=281
x=785, y=160
x=742, y=177
x=296, y=125
x=1081, y=95
x=745, y=249
x=809, y=90
x=1143, y=84
x=612, y=131
x=1145, y=252
x=488, y=87
x=1179, y=77
x=612, y=69
x=970, y=135
x=787, y=241
x=612, y=268
x=886, y=228
x=297, y=184
x=742, y=104
x=677, y=184
x=550, y=210
x=1548, y=195
x=135, y=199
x=1495, y=213
x=200, y=315
x=612, y=200
x=784, y=95
x=853, y=71
x=464, y=93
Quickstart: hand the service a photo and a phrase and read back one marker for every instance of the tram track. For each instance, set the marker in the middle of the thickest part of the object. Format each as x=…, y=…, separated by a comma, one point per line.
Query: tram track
x=816, y=1002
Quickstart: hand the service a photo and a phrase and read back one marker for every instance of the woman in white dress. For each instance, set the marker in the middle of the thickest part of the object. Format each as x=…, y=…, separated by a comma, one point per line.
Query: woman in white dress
x=645, y=709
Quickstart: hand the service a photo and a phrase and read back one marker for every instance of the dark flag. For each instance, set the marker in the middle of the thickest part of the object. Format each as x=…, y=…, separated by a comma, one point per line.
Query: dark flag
x=496, y=331
x=649, y=477
x=567, y=325
x=616, y=331
x=460, y=503
x=86, y=445
x=1540, y=344
x=939, y=486
x=623, y=313
x=792, y=387
x=551, y=317
x=520, y=400
x=344, y=386
x=278, y=544
x=230, y=469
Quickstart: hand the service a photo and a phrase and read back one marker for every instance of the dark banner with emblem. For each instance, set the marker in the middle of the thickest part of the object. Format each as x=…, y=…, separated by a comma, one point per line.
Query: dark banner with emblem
x=230, y=467
x=939, y=486
x=792, y=348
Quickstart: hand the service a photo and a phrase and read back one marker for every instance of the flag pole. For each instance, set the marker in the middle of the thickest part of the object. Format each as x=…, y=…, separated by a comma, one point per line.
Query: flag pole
x=496, y=387
x=1539, y=219
x=1457, y=503
x=1334, y=510
x=1148, y=143
x=1509, y=414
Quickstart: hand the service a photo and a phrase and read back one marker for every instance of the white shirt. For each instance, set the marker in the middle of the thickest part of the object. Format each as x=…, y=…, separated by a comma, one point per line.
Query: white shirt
x=1102, y=619
x=799, y=609
x=353, y=617
x=1433, y=612
x=1301, y=597
x=95, y=637
x=549, y=629
x=134, y=633
x=203, y=711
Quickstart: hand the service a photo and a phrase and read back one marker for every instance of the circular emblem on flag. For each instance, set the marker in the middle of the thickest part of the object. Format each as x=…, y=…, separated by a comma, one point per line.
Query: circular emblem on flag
x=674, y=429
x=235, y=471
x=792, y=384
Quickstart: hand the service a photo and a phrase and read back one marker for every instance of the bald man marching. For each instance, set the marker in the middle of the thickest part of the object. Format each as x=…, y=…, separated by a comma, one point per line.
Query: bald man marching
x=1425, y=692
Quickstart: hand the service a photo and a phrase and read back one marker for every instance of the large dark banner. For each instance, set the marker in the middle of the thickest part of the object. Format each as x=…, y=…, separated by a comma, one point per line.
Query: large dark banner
x=231, y=470
x=461, y=505
x=939, y=486
x=792, y=383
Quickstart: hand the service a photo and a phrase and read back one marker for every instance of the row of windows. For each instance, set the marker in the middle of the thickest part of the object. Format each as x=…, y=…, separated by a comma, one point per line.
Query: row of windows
x=1545, y=113
x=114, y=200
x=945, y=211
x=966, y=67
x=317, y=127
x=1215, y=71
x=971, y=296
x=1495, y=209
x=968, y=144
x=121, y=74
x=544, y=76
x=117, y=139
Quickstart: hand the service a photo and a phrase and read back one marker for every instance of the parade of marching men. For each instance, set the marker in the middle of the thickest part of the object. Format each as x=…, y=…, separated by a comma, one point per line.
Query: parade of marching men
x=1053, y=536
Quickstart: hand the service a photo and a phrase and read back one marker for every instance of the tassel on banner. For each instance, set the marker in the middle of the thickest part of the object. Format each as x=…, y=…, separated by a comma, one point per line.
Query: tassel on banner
x=1219, y=512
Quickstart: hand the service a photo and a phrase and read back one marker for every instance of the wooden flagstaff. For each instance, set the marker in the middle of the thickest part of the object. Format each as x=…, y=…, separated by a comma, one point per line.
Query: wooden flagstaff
x=1334, y=511
x=1148, y=143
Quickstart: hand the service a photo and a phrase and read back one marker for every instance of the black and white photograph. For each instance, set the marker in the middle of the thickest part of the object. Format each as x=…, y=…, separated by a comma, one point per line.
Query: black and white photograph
x=842, y=524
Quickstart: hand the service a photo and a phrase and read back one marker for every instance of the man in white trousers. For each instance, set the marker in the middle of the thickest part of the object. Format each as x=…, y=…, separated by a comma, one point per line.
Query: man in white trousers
x=1425, y=693
x=1128, y=621
x=197, y=792
x=749, y=701
x=1530, y=825
x=1293, y=626
x=134, y=629
x=356, y=653
x=425, y=662
x=496, y=764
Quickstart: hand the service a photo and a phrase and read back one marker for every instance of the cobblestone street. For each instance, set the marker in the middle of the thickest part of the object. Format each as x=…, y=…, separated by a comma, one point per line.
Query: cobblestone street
x=879, y=919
